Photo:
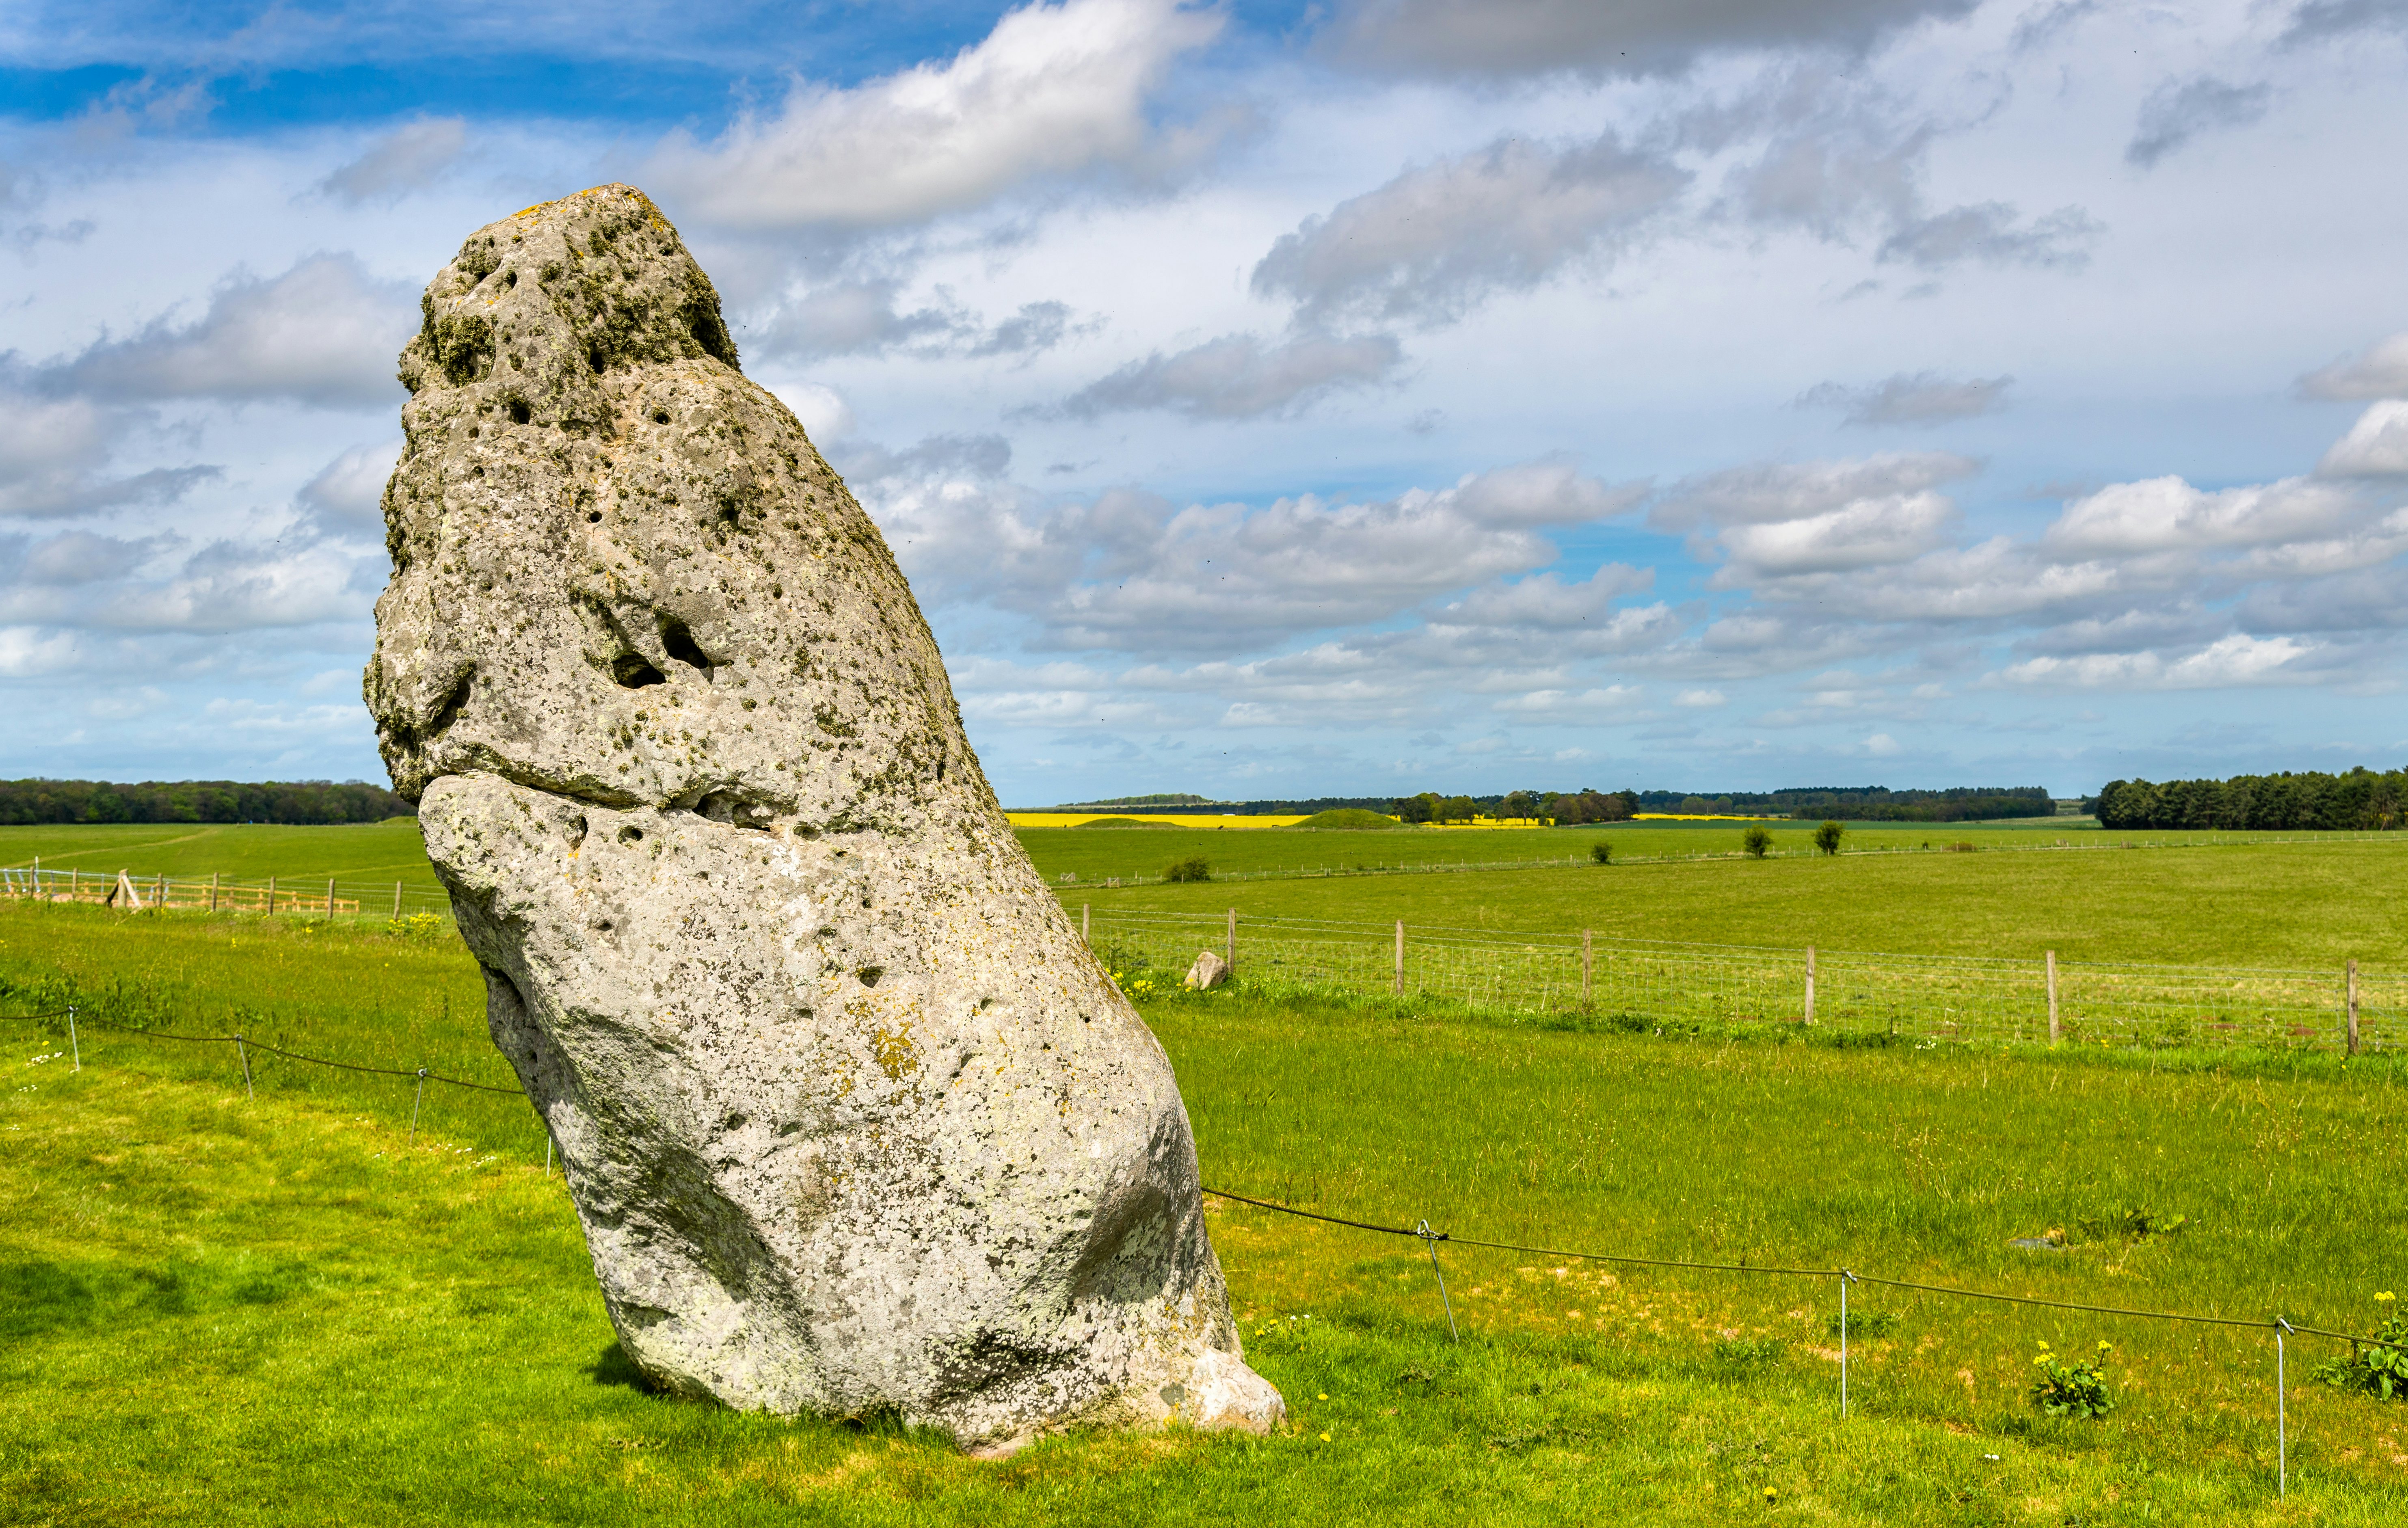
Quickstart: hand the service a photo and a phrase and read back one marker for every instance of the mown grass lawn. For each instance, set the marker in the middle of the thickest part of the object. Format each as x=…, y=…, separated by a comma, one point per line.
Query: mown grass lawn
x=219, y=1310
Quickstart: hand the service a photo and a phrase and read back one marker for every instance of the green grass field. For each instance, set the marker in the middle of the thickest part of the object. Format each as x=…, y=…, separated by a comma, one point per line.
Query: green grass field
x=2300, y=904
x=282, y=1310
x=379, y=851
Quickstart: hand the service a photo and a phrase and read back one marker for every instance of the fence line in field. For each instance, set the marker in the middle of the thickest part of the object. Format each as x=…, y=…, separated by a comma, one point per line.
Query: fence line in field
x=1941, y=830
x=1429, y=1238
x=1622, y=982
x=306, y=896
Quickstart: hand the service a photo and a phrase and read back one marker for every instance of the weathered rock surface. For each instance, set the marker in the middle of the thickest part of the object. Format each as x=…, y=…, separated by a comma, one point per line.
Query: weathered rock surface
x=1210, y=970
x=852, y=1119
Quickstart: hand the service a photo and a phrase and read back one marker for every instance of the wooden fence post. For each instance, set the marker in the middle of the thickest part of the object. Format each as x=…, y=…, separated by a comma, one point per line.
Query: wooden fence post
x=271, y=894
x=2353, y=1008
x=214, y=890
x=1401, y=957
x=330, y=898
x=1589, y=960
x=1086, y=927
x=396, y=899
x=1810, y=984
x=1232, y=954
x=2055, y=1031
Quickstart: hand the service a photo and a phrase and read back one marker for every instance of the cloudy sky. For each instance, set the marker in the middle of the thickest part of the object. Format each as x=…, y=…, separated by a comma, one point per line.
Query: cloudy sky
x=1277, y=399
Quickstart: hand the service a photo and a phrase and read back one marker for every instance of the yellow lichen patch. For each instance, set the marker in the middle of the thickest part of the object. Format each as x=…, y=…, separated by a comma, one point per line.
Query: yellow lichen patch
x=896, y=1053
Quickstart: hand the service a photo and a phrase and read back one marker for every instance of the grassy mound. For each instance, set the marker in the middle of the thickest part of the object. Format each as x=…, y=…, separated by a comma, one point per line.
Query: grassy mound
x=1123, y=822
x=1347, y=817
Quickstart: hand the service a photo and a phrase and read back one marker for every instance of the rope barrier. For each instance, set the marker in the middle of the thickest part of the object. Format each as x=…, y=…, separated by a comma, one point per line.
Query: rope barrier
x=1421, y=1232
x=2277, y=1323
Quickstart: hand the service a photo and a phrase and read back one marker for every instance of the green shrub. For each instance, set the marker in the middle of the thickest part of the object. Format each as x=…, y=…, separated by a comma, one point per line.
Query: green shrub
x=2378, y=1368
x=2073, y=1390
x=1758, y=840
x=1601, y=852
x=1194, y=868
x=1827, y=838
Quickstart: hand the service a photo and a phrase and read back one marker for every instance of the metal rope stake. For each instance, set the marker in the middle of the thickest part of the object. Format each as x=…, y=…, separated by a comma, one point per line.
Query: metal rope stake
x=1846, y=1278
x=73, y=1044
x=414, y=1100
x=1431, y=1240
x=2282, y=1422
x=245, y=1057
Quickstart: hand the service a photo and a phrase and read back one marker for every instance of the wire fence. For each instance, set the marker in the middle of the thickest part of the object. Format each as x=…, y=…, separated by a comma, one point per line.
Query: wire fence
x=291, y=895
x=1614, y=983
x=1945, y=838
x=1432, y=1239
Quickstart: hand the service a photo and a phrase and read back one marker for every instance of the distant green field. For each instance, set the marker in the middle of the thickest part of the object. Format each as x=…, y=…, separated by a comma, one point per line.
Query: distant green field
x=179, y=1267
x=379, y=851
x=2288, y=904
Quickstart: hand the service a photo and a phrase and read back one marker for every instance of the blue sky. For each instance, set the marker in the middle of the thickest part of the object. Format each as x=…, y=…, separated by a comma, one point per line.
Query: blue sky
x=1274, y=400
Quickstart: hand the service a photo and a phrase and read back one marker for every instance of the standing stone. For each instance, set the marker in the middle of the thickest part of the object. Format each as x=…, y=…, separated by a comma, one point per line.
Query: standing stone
x=1210, y=970
x=852, y=1120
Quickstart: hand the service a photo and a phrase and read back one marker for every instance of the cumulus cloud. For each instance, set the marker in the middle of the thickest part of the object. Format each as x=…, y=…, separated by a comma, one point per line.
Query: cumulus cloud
x=2168, y=514
x=347, y=497
x=55, y=454
x=2180, y=109
x=1132, y=572
x=1053, y=91
x=2228, y=661
x=1439, y=237
x=2375, y=446
x=1700, y=699
x=325, y=334
x=1773, y=492
x=408, y=158
x=2379, y=371
x=1988, y=233
x=865, y=318
x=1508, y=37
x=1545, y=603
x=2318, y=21
x=1241, y=376
x=1922, y=397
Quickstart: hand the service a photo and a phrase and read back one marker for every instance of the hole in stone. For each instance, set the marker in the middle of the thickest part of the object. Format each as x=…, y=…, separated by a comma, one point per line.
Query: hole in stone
x=519, y=412
x=869, y=975
x=576, y=831
x=593, y=517
x=678, y=642
x=733, y=809
x=594, y=358
x=447, y=710
x=631, y=834
x=633, y=672
x=660, y=416
x=510, y=278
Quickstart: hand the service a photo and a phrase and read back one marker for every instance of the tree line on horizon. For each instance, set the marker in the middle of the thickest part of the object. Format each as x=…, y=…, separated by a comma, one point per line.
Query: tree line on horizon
x=286, y=803
x=2304, y=800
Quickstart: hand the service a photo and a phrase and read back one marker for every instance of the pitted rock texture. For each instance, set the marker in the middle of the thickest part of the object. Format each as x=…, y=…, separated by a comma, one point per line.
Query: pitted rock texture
x=852, y=1119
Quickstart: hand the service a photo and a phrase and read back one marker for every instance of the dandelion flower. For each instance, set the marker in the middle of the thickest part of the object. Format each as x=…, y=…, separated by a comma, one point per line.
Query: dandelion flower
x=2385, y=1294
x=1325, y=1437
x=1770, y=1496
x=1325, y=1395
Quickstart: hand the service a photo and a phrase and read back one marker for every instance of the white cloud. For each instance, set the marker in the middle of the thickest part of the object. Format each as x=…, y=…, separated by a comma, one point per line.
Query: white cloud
x=2167, y=514
x=2379, y=371
x=2229, y=662
x=325, y=333
x=1881, y=744
x=1053, y=91
x=1923, y=398
x=347, y=496
x=407, y=159
x=1544, y=37
x=1700, y=699
x=1432, y=242
x=2375, y=446
x=1609, y=702
x=1545, y=603
x=1241, y=376
x=2180, y=109
x=1776, y=491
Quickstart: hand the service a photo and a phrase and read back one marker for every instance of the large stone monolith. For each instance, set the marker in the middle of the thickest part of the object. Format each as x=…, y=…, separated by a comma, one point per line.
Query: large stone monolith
x=852, y=1119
